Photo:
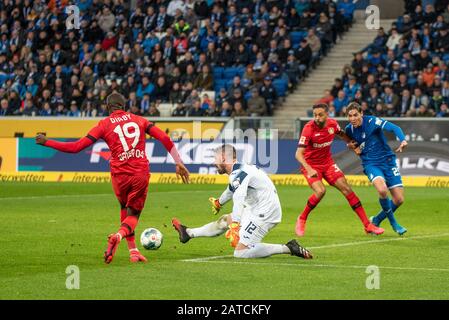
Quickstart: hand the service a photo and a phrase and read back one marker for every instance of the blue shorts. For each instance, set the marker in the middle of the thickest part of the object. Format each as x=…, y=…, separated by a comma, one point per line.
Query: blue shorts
x=389, y=171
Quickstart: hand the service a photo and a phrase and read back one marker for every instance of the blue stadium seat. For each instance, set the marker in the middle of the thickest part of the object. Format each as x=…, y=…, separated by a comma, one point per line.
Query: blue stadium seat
x=219, y=83
x=411, y=81
x=241, y=71
x=281, y=86
x=218, y=73
x=296, y=37
x=230, y=72
x=3, y=78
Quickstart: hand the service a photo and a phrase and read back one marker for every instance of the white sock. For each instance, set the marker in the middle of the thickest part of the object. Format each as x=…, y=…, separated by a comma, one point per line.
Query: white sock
x=212, y=229
x=262, y=250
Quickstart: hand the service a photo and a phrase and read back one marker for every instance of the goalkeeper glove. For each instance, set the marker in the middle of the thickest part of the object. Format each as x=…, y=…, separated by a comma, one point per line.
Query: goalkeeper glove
x=233, y=234
x=216, y=206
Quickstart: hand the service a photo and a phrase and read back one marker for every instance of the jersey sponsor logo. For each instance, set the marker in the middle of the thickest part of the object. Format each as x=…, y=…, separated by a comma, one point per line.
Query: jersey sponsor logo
x=302, y=140
x=322, y=145
x=331, y=130
x=317, y=134
x=133, y=153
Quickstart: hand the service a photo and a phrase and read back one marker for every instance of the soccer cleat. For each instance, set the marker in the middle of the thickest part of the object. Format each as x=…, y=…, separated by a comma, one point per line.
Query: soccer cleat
x=297, y=250
x=372, y=229
x=399, y=230
x=113, y=242
x=374, y=221
x=300, y=227
x=136, y=256
x=182, y=230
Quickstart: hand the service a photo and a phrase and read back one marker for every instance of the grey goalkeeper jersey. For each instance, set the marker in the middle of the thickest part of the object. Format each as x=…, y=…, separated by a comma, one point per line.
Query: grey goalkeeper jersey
x=252, y=192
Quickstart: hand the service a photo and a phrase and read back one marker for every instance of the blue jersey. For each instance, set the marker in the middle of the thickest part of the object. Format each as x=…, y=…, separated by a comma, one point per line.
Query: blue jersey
x=371, y=139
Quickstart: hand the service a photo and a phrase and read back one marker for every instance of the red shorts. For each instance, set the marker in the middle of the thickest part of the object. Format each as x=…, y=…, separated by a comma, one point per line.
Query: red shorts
x=329, y=172
x=131, y=191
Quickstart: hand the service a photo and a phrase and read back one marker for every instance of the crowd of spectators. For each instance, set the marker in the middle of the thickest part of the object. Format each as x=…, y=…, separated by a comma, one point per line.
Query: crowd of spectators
x=403, y=72
x=159, y=52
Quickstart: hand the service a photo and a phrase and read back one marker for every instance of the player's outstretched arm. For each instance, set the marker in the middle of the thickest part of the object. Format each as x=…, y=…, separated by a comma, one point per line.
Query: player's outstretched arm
x=69, y=147
x=391, y=127
x=158, y=134
x=218, y=203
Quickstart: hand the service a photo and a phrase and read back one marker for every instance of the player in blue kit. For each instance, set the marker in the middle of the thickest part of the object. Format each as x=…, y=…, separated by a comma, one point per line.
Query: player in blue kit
x=378, y=160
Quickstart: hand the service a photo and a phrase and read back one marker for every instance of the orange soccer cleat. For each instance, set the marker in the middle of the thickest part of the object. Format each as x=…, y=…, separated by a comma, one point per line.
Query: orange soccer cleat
x=135, y=256
x=113, y=242
x=300, y=227
x=372, y=229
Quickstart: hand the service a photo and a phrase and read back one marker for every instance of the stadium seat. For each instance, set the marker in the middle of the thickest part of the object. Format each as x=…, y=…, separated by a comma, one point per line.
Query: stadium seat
x=3, y=78
x=296, y=37
x=165, y=109
x=218, y=84
x=446, y=58
x=241, y=71
x=218, y=73
x=230, y=72
x=281, y=86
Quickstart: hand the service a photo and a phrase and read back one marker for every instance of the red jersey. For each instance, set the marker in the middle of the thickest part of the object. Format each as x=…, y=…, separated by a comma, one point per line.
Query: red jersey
x=318, y=141
x=125, y=135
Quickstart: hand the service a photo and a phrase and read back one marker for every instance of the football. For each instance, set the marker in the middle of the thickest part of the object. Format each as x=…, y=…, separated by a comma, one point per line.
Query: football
x=151, y=239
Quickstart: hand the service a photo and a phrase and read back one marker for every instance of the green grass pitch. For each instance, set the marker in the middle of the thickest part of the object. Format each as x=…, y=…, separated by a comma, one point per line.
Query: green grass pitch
x=47, y=227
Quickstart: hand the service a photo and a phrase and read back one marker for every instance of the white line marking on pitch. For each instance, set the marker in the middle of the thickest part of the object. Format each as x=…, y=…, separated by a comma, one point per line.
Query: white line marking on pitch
x=318, y=265
x=337, y=245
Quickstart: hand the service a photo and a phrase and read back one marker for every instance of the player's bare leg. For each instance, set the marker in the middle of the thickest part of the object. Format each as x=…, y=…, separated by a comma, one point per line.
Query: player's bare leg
x=343, y=186
x=134, y=253
x=262, y=250
x=388, y=206
x=211, y=229
x=127, y=228
x=319, y=190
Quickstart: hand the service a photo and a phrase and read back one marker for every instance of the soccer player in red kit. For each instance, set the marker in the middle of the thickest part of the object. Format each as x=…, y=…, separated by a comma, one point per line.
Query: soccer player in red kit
x=314, y=154
x=125, y=135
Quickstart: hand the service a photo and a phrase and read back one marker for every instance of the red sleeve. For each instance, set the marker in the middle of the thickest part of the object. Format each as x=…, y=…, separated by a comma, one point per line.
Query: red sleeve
x=337, y=127
x=160, y=135
x=70, y=147
x=96, y=132
x=76, y=146
x=306, y=134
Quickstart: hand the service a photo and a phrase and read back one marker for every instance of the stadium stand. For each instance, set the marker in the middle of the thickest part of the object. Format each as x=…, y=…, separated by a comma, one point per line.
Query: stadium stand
x=159, y=53
x=402, y=73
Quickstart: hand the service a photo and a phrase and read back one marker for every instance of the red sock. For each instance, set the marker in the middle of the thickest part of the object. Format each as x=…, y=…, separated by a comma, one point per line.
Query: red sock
x=128, y=226
x=131, y=239
x=311, y=204
x=356, y=205
x=123, y=214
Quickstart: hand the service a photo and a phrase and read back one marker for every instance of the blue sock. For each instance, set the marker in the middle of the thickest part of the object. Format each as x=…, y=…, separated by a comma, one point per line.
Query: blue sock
x=393, y=206
x=381, y=216
x=388, y=211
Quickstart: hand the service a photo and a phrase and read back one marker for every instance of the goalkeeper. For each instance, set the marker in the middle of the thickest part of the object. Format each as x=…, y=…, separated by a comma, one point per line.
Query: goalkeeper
x=256, y=210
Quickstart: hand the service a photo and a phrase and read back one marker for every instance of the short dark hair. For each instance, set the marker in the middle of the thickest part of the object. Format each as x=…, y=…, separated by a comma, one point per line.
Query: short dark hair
x=321, y=105
x=116, y=101
x=353, y=106
x=227, y=149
